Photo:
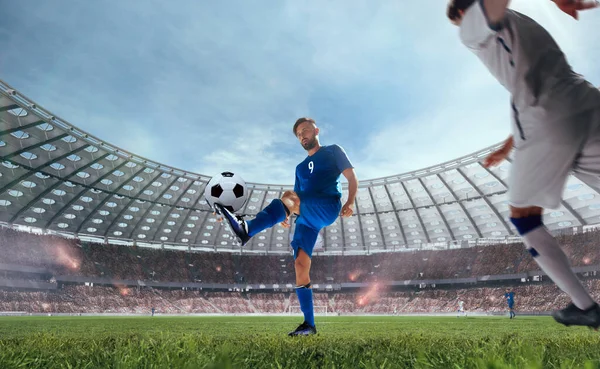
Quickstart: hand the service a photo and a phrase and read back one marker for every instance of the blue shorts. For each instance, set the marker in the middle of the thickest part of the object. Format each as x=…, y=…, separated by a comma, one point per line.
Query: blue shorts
x=510, y=305
x=315, y=214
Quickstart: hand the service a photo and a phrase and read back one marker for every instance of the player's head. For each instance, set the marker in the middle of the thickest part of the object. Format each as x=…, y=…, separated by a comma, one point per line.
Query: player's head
x=307, y=132
x=456, y=9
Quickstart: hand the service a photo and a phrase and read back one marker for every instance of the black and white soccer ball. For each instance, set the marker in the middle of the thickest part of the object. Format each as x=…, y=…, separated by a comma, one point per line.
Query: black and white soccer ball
x=227, y=189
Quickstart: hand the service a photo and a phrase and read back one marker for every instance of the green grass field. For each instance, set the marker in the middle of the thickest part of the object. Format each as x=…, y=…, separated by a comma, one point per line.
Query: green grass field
x=261, y=342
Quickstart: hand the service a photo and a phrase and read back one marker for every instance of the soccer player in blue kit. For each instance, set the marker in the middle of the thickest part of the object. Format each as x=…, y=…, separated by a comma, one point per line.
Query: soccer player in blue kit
x=316, y=200
x=510, y=300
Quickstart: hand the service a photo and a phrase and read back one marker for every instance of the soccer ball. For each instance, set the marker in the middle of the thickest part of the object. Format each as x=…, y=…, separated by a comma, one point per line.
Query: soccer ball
x=227, y=189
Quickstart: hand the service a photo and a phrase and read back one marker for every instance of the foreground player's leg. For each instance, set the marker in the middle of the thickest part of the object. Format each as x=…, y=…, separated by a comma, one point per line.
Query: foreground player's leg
x=305, y=295
x=276, y=212
x=553, y=261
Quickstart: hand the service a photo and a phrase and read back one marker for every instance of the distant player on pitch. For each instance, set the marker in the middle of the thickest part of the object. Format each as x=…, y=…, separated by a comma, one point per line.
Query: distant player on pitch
x=316, y=200
x=510, y=300
x=556, y=129
x=461, y=309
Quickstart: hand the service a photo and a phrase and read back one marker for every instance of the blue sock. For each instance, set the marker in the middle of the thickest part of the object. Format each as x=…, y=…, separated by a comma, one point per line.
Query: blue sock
x=305, y=297
x=274, y=213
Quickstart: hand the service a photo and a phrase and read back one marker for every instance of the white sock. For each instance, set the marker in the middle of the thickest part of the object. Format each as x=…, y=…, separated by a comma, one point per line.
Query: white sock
x=555, y=263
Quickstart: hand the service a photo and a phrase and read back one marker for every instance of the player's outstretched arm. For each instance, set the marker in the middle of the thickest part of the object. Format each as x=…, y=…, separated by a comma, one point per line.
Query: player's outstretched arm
x=495, y=9
x=499, y=155
x=572, y=7
x=350, y=175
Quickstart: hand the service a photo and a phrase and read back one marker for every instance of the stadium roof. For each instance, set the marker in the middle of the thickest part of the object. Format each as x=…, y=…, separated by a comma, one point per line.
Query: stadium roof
x=57, y=177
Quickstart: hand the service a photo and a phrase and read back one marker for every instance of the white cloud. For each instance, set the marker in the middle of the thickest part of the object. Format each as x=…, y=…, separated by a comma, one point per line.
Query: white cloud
x=469, y=110
x=254, y=156
x=459, y=123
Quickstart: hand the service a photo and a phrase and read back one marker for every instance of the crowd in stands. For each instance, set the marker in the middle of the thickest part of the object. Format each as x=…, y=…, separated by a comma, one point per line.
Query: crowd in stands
x=266, y=268
x=61, y=256
x=50, y=252
x=77, y=299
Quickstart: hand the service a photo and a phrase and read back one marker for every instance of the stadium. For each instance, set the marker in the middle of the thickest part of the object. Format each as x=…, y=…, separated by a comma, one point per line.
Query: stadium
x=89, y=228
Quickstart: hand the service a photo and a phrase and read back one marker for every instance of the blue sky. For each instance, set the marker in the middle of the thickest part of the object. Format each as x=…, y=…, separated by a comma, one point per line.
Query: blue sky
x=211, y=86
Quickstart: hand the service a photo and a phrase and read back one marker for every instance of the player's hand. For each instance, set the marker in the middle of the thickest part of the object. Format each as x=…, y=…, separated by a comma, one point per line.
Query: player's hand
x=286, y=223
x=495, y=158
x=347, y=210
x=572, y=7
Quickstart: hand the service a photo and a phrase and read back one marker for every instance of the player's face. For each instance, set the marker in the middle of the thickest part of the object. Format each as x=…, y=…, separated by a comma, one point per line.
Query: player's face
x=307, y=135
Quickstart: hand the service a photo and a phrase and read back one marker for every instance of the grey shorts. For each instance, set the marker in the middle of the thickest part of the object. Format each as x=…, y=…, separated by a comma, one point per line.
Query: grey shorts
x=543, y=162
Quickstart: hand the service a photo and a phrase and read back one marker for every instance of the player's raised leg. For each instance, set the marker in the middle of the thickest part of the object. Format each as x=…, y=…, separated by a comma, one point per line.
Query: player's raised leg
x=549, y=256
x=538, y=174
x=277, y=211
x=587, y=169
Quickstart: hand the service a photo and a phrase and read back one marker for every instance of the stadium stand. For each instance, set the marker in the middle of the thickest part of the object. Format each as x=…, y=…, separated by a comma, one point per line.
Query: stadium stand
x=99, y=299
x=61, y=256
x=31, y=263
x=140, y=234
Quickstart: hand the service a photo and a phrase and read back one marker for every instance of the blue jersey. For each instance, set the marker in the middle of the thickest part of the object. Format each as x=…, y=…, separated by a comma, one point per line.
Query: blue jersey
x=510, y=297
x=318, y=176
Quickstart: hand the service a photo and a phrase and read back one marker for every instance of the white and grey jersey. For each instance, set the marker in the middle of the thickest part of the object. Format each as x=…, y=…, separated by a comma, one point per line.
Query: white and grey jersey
x=527, y=61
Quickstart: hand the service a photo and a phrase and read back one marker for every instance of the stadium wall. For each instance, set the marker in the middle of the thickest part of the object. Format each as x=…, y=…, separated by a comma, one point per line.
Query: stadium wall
x=534, y=276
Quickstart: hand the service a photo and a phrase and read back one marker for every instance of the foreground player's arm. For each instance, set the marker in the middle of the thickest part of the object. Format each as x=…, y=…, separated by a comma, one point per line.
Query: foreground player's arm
x=499, y=155
x=480, y=22
x=572, y=7
x=350, y=175
x=495, y=10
